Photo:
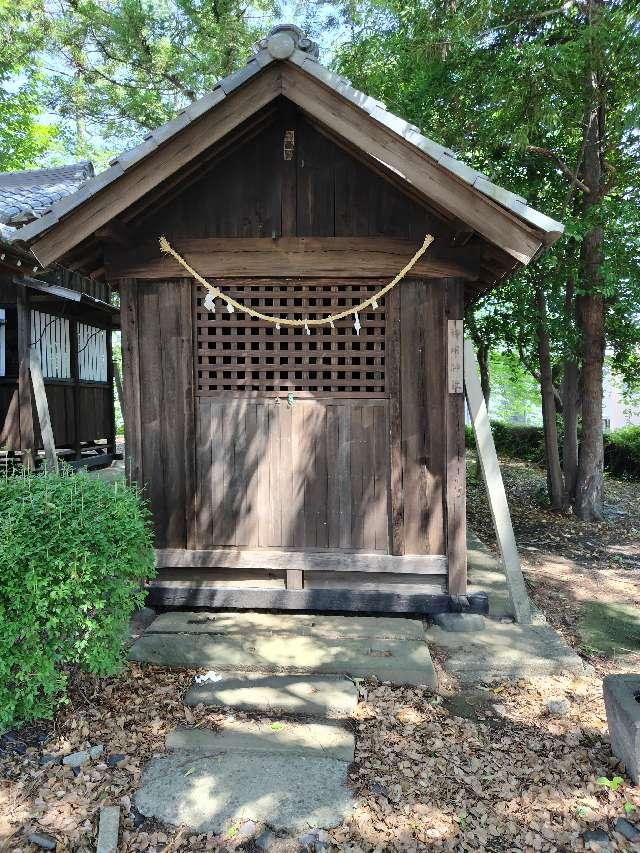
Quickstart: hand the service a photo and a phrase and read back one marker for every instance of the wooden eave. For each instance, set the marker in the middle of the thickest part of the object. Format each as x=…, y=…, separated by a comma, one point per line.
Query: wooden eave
x=361, y=125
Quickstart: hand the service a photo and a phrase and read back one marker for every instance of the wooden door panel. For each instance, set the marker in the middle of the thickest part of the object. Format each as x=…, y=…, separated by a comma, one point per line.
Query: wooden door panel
x=310, y=476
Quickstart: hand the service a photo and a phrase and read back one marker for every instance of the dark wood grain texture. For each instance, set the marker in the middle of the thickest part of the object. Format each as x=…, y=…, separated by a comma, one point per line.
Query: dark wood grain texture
x=429, y=601
x=455, y=503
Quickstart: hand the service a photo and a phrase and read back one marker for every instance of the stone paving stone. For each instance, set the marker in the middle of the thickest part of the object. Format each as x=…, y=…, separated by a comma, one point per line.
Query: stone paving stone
x=210, y=793
x=312, y=695
x=252, y=624
x=312, y=739
x=504, y=651
x=108, y=828
x=398, y=661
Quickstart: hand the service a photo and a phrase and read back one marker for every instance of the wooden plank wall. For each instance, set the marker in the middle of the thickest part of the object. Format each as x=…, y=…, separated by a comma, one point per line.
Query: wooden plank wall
x=324, y=192
x=157, y=332
x=309, y=476
x=421, y=431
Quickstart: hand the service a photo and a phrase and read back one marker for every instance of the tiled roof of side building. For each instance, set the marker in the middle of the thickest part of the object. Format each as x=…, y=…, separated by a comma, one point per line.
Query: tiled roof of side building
x=28, y=195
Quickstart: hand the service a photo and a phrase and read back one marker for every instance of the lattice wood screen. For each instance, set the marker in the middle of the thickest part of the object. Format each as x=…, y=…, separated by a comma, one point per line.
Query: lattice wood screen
x=235, y=352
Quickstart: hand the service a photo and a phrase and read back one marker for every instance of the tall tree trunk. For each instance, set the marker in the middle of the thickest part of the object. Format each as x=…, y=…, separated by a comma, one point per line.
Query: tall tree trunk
x=590, y=304
x=570, y=435
x=569, y=392
x=589, y=484
x=554, y=471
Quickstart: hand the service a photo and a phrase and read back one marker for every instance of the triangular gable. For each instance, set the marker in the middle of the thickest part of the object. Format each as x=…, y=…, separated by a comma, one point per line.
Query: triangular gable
x=279, y=68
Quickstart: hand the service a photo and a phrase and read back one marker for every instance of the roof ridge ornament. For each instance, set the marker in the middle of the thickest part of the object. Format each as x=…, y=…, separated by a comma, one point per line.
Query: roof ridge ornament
x=282, y=40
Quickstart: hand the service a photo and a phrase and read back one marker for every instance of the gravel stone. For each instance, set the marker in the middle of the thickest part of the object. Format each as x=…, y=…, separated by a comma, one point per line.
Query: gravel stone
x=41, y=839
x=596, y=836
x=47, y=759
x=96, y=751
x=246, y=830
x=115, y=758
x=627, y=829
x=76, y=759
x=558, y=706
x=266, y=840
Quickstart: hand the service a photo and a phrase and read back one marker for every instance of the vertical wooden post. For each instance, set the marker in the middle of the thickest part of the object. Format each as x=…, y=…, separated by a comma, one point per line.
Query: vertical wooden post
x=455, y=492
x=496, y=495
x=392, y=375
x=75, y=377
x=131, y=370
x=111, y=438
x=25, y=406
x=118, y=380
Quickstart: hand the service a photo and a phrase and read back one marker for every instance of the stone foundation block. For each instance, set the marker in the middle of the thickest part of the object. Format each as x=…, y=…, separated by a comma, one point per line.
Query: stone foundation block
x=622, y=701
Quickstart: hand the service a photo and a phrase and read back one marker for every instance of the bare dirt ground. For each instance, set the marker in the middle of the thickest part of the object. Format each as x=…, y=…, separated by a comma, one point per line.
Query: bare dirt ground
x=482, y=769
x=584, y=577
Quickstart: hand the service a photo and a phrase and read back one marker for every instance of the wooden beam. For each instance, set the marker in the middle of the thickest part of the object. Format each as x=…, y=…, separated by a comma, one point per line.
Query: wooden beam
x=115, y=232
x=430, y=601
x=316, y=257
x=437, y=184
x=179, y=150
x=111, y=438
x=42, y=408
x=393, y=388
x=75, y=378
x=131, y=367
x=455, y=495
x=294, y=579
x=496, y=495
x=306, y=561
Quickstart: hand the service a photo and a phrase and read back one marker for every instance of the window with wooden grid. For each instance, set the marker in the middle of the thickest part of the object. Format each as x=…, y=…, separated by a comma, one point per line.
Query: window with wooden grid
x=236, y=352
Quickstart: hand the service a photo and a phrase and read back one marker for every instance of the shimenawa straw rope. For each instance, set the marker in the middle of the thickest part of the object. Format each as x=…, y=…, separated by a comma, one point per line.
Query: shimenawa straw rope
x=168, y=249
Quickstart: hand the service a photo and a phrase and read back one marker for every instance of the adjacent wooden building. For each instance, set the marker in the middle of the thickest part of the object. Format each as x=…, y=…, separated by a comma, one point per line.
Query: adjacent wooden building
x=67, y=320
x=285, y=469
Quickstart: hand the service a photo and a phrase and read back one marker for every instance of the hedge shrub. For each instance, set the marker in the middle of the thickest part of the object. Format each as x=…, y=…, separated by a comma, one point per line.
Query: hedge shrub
x=73, y=553
x=621, y=447
x=622, y=452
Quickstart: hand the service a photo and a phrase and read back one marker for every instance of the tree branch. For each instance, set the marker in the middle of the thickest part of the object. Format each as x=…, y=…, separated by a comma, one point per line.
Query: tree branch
x=566, y=171
x=536, y=375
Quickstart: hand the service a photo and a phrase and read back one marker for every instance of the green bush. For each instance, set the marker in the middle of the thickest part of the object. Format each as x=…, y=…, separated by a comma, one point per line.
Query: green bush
x=515, y=441
x=622, y=452
x=73, y=553
x=621, y=447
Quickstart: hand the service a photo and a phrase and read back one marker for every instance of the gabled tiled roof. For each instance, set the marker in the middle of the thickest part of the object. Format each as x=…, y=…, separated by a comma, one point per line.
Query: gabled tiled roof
x=25, y=196
x=287, y=43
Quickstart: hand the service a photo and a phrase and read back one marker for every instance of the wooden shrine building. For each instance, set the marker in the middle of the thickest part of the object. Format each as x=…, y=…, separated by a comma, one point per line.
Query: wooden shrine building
x=66, y=320
x=285, y=469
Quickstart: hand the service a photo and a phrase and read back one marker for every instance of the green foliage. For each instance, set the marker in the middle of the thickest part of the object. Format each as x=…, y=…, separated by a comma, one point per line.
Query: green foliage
x=622, y=451
x=130, y=65
x=73, y=554
x=508, y=85
x=514, y=392
x=612, y=784
x=23, y=137
x=621, y=447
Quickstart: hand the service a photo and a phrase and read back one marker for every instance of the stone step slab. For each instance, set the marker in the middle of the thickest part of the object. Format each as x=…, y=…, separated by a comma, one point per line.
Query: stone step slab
x=311, y=695
x=251, y=624
x=505, y=651
x=275, y=736
x=398, y=661
x=213, y=793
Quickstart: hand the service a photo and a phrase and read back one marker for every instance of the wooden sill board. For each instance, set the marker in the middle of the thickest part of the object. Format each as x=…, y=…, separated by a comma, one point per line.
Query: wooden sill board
x=306, y=561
